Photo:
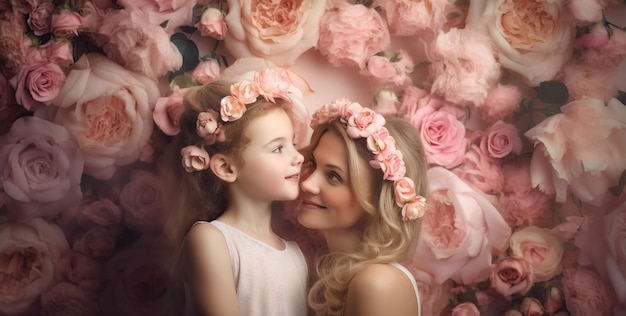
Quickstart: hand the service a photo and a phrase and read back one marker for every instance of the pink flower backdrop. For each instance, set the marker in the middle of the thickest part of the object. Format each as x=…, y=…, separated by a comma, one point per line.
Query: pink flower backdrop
x=520, y=106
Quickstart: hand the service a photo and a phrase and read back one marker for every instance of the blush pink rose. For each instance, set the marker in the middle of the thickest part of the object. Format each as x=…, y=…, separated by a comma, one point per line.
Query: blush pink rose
x=575, y=150
x=531, y=38
x=41, y=169
x=194, y=158
x=82, y=271
x=56, y=52
x=384, y=73
x=141, y=201
x=29, y=252
x=128, y=38
x=66, y=299
x=66, y=24
x=480, y=170
x=108, y=111
x=460, y=233
x=585, y=293
x=542, y=249
x=614, y=233
x=364, y=123
x=409, y=18
x=279, y=31
x=103, y=212
x=465, y=309
x=231, y=108
x=39, y=19
x=590, y=81
x=463, y=66
x=212, y=23
x=443, y=137
x=167, y=111
x=38, y=84
x=501, y=139
x=351, y=33
x=175, y=12
x=501, y=102
x=511, y=275
x=96, y=242
x=137, y=279
x=206, y=71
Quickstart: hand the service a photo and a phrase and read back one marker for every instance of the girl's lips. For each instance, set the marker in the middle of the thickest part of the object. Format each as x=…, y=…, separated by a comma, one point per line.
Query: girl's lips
x=311, y=204
x=293, y=177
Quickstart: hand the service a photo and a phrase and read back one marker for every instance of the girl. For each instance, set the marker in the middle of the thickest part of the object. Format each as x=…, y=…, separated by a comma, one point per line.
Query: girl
x=235, y=156
x=363, y=188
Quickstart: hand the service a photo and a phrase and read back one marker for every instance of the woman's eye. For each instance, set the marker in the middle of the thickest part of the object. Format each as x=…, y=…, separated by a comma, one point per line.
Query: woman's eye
x=334, y=177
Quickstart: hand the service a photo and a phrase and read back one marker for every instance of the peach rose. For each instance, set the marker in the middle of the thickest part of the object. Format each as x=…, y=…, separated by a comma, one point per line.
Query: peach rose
x=137, y=279
x=542, y=249
x=461, y=231
x=194, y=158
x=167, y=111
x=511, y=275
x=231, y=108
x=29, y=252
x=465, y=309
x=409, y=18
x=66, y=24
x=38, y=84
x=532, y=38
x=41, y=169
x=108, y=111
x=212, y=23
x=575, y=150
x=206, y=71
x=141, y=201
x=614, y=232
x=66, y=299
x=351, y=33
x=279, y=31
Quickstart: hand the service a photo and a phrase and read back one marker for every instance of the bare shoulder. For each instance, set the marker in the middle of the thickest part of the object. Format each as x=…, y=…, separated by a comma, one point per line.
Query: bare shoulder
x=205, y=243
x=203, y=232
x=381, y=289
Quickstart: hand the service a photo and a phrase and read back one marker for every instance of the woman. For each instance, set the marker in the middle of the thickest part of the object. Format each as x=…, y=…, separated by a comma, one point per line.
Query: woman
x=363, y=187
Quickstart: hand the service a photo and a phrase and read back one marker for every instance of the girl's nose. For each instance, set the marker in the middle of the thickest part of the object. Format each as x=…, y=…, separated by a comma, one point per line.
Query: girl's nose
x=298, y=158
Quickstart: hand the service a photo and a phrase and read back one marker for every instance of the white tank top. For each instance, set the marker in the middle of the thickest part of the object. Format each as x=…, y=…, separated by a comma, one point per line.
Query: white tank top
x=268, y=281
x=410, y=276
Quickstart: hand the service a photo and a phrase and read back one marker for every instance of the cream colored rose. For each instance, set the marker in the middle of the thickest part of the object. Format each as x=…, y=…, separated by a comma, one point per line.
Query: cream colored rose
x=542, y=249
x=532, y=38
x=29, y=252
x=278, y=31
x=108, y=111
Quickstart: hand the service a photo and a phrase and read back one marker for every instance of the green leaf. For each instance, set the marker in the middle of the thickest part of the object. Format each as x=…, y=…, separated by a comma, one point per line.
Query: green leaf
x=617, y=190
x=553, y=92
x=188, y=49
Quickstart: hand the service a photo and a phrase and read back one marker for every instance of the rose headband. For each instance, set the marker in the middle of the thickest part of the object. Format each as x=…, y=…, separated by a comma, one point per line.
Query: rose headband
x=364, y=122
x=270, y=83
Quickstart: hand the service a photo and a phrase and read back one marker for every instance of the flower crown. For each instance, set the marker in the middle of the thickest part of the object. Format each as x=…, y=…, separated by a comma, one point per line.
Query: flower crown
x=364, y=122
x=271, y=83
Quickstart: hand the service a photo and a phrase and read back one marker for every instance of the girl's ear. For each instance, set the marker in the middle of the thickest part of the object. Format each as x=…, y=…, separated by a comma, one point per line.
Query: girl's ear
x=223, y=168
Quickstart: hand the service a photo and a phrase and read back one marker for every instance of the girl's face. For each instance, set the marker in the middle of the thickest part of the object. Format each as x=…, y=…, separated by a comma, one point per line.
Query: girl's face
x=272, y=164
x=328, y=203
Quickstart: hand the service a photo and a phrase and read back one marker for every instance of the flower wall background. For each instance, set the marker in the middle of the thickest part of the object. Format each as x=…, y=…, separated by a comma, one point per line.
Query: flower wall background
x=520, y=105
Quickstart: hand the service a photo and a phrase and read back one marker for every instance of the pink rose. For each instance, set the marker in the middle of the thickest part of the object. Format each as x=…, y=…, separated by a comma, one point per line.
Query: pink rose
x=568, y=229
x=532, y=307
x=273, y=82
x=108, y=111
x=614, y=232
x=56, y=52
x=382, y=72
x=391, y=164
x=465, y=309
x=206, y=71
x=96, y=242
x=29, y=252
x=245, y=91
x=42, y=169
x=118, y=32
x=194, y=158
x=404, y=189
x=501, y=139
x=409, y=18
x=231, y=109
x=511, y=275
x=82, y=271
x=542, y=249
x=590, y=81
x=351, y=33
x=103, y=212
x=585, y=293
x=212, y=23
x=168, y=110
x=575, y=150
x=480, y=170
x=501, y=102
x=176, y=13
x=443, y=137
x=606, y=53
x=414, y=208
x=137, y=279
x=463, y=65
x=66, y=24
x=67, y=299
x=39, y=19
x=278, y=31
x=531, y=38
x=141, y=201
x=553, y=300
x=38, y=84
x=460, y=233
x=364, y=123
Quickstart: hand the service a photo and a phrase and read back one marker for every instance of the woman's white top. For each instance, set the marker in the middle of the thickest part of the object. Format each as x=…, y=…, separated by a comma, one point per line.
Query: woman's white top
x=410, y=276
x=268, y=281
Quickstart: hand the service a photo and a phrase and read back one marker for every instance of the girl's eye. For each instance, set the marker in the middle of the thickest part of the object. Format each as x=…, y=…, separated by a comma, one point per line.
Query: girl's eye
x=278, y=149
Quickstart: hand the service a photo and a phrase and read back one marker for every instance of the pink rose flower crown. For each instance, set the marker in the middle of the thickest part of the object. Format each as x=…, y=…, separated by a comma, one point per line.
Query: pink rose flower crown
x=270, y=83
x=364, y=122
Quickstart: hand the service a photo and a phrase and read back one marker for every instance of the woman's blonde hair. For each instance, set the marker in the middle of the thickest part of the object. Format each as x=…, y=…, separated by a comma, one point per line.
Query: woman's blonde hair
x=386, y=237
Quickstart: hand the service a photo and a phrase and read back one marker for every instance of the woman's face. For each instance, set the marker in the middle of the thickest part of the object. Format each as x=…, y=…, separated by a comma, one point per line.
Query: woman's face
x=328, y=202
